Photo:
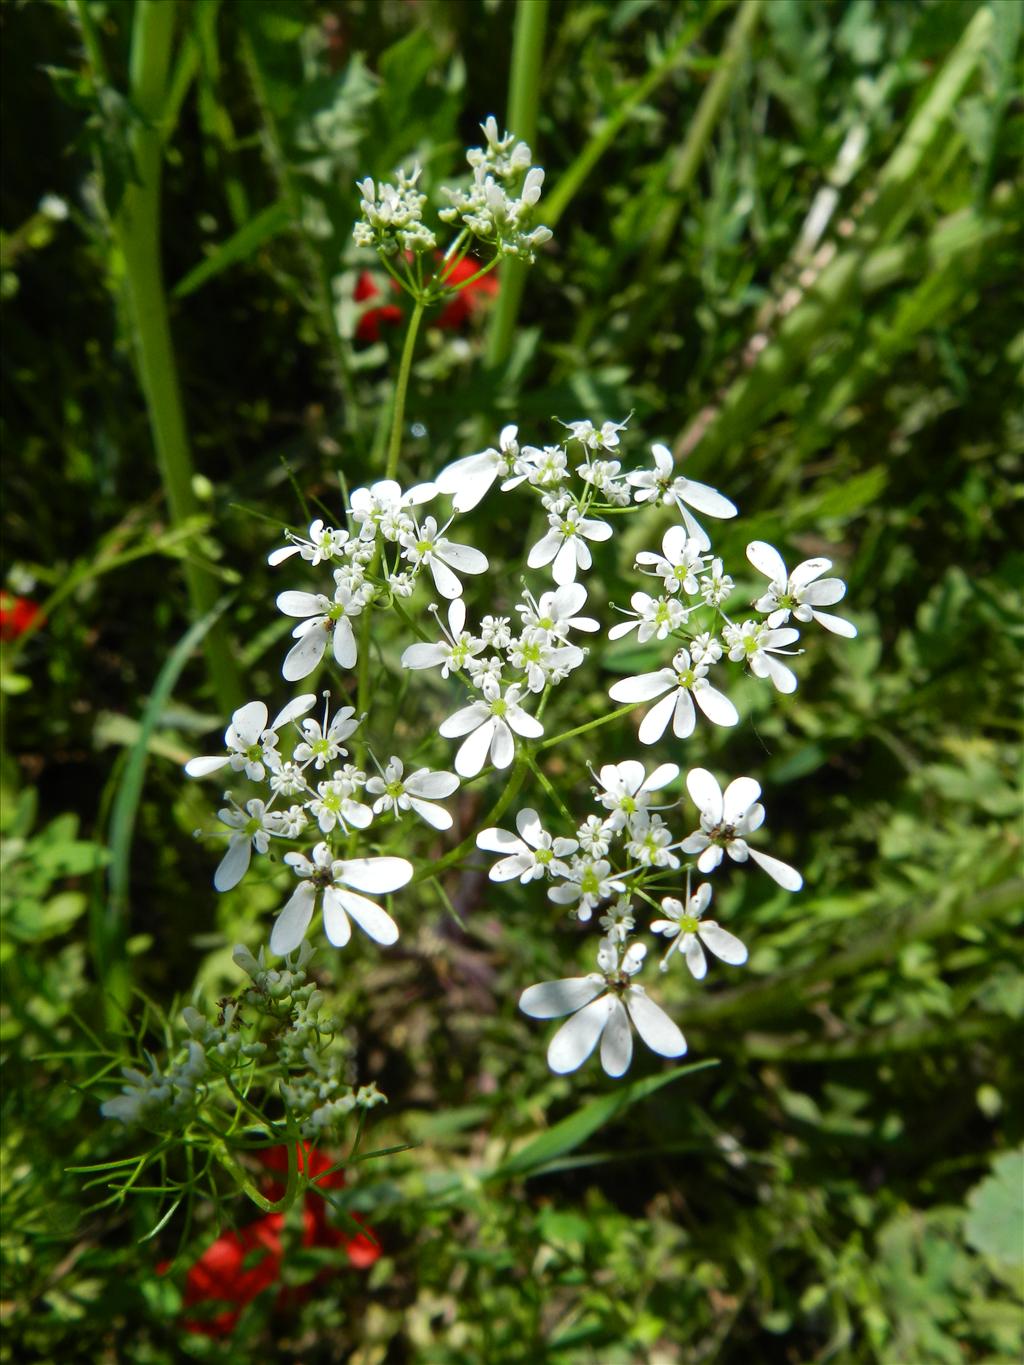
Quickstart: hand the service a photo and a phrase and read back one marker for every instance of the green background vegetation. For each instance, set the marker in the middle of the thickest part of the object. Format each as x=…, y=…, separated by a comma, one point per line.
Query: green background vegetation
x=842, y=1184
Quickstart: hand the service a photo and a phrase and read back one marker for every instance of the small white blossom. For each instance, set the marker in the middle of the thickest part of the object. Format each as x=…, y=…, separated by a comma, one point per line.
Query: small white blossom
x=335, y=802
x=487, y=672
x=322, y=743
x=468, y=479
x=679, y=563
x=488, y=725
x=602, y=1007
x=684, y=683
x=391, y=216
x=532, y=854
x=662, y=485
x=705, y=648
x=450, y=654
x=427, y=545
x=618, y=921
x=716, y=586
x=542, y=662
x=588, y=882
x=418, y=792
x=650, y=844
x=326, y=620
x=726, y=821
x=802, y=592
x=595, y=836
x=495, y=632
x=543, y=468
x=605, y=439
x=338, y=881
x=324, y=543
x=756, y=644
x=690, y=934
x=557, y=612
x=250, y=741
x=381, y=507
x=626, y=789
x=565, y=545
x=254, y=825
x=652, y=618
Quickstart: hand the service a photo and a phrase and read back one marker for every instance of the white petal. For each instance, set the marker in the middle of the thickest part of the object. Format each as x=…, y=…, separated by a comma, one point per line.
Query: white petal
x=201, y=767
x=809, y=570
x=684, y=717
x=767, y=560
x=372, y=918
x=643, y=686
x=304, y=656
x=374, y=874
x=336, y=922
x=433, y=814
x=706, y=793
x=295, y=708
x=300, y=603
x=577, y=1038
x=787, y=877
x=469, y=718
x=706, y=499
x=424, y=656
x=622, y=628
x=473, y=752
x=710, y=859
x=503, y=746
x=545, y=550
x=552, y=999
x=653, y=725
x=444, y=580
x=617, y=1041
x=835, y=624
x=661, y=777
x=563, y=570
x=235, y=863
x=464, y=558
x=505, y=869
x=249, y=722
x=498, y=841
x=595, y=530
x=523, y=723
x=695, y=959
x=653, y=1025
x=568, y=600
x=784, y=678
x=825, y=593
x=468, y=479
x=716, y=706
x=740, y=795
x=279, y=556
x=430, y=784
x=723, y=944
x=344, y=644
x=291, y=924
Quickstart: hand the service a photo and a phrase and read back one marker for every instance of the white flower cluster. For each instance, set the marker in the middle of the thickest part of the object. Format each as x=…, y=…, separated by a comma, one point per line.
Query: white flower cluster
x=519, y=650
x=496, y=208
x=617, y=861
x=392, y=216
x=498, y=205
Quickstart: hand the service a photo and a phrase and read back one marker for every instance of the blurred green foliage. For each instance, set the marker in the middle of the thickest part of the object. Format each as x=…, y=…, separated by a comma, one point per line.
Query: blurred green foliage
x=827, y=313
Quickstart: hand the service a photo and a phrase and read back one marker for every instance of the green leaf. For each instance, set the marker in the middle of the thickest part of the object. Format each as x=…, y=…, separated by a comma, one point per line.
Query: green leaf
x=567, y=1135
x=995, y=1211
x=239, y=247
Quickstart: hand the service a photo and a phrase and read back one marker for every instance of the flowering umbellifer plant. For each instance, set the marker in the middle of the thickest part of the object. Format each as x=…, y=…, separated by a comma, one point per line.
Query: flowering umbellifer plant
x=356, y=811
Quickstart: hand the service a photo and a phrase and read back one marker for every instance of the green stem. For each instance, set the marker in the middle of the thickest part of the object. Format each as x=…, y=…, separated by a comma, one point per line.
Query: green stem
x=137, y=230
x=556, y=800
x=401, y=388
x=589, y=725
x=523, y=103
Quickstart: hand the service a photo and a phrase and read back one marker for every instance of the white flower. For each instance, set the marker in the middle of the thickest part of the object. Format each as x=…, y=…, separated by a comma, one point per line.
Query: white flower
x=557, y=612
x=656, y=617
x=486, y=672
x=335, y=802
x=467, y=480
x=602, y=1006
x=381, y=507
x=705, y=648
x=566, y=544
x=286, y=778
x=802, y=592
x=542, y=662
x=688, y=931
x=659, y=485
x=755, y=643
x=391, y=216
x=650, y=844
x=606, y=477
x=726, y=821
x=402, y=584
x=453, y=652
x=291, y=822
x=627, y=790
x=679, y=562
x=618, y=921
x=322, y=744
x=595, y=836
x=255, y=825
x=495, y=631
x=418, y=792
x=250, y=741
x=532, y=855
x=543, y=468
x=716, y=586
x=324, y=543
x=489, y=725
x=427, y=545
x=326, y=619
x=605, y=439
x=333, y=877
x=588, y=881
x=684, y=684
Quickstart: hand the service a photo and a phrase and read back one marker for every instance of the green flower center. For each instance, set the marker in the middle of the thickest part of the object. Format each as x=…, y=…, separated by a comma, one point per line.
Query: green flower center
x=499, y=706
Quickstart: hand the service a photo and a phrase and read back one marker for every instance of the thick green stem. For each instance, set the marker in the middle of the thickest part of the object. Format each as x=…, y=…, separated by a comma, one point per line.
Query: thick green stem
x=523, y=103
x=137, y=229
x=401, y=388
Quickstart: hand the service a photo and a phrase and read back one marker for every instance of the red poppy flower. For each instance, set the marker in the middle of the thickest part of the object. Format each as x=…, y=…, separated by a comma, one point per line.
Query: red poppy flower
x=241, y=1264
x=453, y=315
x=368, y=327
x=16, y=615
